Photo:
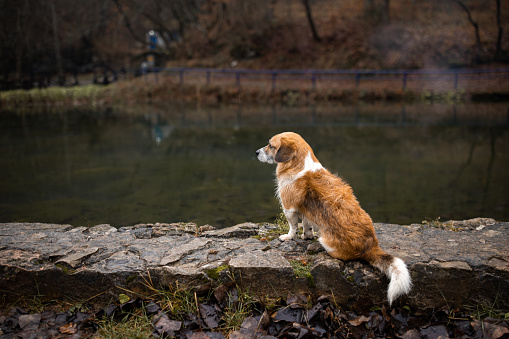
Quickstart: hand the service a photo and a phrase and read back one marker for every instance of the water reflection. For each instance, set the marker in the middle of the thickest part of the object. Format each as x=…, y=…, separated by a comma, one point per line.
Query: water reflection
x=160, y=129
x=379, y=115
x=170, y=164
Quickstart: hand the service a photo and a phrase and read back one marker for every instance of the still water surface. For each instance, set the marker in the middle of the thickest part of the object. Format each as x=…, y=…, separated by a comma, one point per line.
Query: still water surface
x=169, y=164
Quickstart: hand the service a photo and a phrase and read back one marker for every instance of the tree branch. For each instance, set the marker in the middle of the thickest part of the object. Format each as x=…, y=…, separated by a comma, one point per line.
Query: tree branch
x=128, y=25
x=310, y=20
x=476, y=26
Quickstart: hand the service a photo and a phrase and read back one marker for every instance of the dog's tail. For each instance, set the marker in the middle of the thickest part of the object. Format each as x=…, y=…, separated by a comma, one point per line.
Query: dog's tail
x=396, y=271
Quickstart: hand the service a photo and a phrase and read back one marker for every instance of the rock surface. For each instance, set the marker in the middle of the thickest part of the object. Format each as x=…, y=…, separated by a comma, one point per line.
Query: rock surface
x=451, y=264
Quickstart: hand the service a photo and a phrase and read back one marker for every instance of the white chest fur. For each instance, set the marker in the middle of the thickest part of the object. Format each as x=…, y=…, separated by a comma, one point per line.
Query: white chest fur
x=285, y=183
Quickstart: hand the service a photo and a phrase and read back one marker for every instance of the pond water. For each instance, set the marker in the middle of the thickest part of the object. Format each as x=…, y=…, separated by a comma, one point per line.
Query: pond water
x=169, y=164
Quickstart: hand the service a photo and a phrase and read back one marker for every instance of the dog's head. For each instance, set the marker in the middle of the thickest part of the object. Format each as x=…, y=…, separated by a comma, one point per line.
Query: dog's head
x=281, y=148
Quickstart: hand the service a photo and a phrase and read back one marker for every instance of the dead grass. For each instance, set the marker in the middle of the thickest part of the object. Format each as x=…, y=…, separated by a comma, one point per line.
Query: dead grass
x=136, y=324
x=290, y=90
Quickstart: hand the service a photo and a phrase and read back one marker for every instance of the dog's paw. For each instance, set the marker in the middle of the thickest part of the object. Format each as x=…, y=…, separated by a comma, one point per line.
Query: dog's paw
x=286, y=237
x=308, y=236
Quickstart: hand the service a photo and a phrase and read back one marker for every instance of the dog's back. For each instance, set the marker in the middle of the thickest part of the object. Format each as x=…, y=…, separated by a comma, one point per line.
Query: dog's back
x=328, y=202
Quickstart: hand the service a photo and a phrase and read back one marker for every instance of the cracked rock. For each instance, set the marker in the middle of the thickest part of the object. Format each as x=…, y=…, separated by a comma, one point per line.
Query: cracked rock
x=474, y=271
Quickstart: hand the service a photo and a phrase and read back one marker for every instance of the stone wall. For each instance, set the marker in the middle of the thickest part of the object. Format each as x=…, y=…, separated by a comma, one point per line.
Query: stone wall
x=456, y=263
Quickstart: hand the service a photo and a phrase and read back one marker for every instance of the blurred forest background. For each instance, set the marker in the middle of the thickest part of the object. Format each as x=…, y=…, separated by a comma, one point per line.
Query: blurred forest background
x=68, y=37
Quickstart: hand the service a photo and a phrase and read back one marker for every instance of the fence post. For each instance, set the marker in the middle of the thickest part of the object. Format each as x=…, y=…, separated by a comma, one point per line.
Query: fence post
x=237, y=78
x=274, y=75
x=181, y=77
x=313, y=80
x=208, y=77
x=405, y=76
x=143, y=71
x=455, y=81
x=357, y=79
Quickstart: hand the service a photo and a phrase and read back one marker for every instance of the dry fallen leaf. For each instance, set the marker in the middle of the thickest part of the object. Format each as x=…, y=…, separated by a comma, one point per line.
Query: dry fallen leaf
x=68, y=329
x=359, y=320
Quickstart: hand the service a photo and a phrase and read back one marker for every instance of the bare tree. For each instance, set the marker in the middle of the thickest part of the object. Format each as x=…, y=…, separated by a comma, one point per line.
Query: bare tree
x=472, y=22
x=170, y=18
x=40, y=38
x=26, y=40
x=311, y=22
x=58, y=55
x=127, y=22
x=498, y=51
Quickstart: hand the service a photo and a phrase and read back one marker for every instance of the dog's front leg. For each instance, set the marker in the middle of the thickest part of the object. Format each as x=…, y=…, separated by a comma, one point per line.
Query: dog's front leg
x=293, y=220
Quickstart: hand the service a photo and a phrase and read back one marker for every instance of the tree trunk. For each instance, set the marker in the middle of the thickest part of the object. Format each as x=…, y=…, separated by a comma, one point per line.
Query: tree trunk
x=60, y=68
x=369, y=8
x=498, y=51
x=18, y=49
x=387, y=5
x=310, y=20
x=476, y=26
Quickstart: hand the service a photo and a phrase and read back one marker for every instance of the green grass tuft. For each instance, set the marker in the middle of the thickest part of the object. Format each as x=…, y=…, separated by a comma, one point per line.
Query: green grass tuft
x=236, y=311
x=436, y=223
x=133, y=325
x=302, y=270
x=282, y=227
x=215, y=272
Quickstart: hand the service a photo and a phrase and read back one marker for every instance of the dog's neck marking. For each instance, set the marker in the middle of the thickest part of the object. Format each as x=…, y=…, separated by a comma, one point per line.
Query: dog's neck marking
x=309, y=166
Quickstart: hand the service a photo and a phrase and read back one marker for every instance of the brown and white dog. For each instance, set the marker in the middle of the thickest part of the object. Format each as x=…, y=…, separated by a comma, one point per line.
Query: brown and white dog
x=308, y=191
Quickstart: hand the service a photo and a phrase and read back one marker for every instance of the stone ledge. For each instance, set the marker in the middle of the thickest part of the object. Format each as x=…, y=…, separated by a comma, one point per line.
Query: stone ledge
x=455, y=263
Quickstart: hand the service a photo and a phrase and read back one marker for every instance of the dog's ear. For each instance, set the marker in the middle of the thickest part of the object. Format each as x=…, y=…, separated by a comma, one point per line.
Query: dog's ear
x=285, y=152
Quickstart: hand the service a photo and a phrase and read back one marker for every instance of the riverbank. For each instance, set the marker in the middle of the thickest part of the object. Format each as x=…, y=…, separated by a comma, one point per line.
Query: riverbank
x=455, y=266
x=102, y=258
x=166, y=89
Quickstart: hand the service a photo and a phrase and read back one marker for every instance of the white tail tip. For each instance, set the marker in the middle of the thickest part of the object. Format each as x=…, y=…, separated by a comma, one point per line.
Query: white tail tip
x=401, y=283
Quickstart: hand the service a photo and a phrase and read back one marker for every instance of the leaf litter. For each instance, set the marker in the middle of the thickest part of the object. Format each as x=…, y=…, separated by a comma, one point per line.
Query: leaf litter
x=297, y=316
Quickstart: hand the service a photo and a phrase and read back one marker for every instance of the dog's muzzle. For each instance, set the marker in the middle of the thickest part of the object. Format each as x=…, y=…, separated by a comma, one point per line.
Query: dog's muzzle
x=264, y=157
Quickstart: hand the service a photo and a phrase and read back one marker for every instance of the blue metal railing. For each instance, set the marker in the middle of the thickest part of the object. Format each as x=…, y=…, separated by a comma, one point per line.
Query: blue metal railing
x=314, y=75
